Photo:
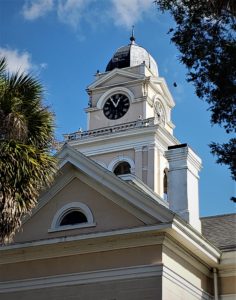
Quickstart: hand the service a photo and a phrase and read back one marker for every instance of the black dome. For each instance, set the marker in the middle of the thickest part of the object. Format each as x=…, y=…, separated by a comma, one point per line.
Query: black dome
x=130, y=56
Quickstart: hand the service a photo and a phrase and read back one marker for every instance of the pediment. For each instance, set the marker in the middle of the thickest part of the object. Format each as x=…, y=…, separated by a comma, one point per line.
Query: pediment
x=116, y=76
x=113, y=204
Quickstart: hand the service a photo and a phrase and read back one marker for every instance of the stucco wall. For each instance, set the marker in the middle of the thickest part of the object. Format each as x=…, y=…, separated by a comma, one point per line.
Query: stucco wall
x=107, y=214
x=190, y=270
x=132, y=289
x=147, y=255
x=227, y=285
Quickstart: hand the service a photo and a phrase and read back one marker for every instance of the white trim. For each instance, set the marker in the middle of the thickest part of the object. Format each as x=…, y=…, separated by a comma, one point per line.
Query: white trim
x=101, y=163
x=55, y=226
x=96, y=235
x=72, y=227
x=114, y=90
x=143, y=271
x=119, y=159
x=185, y=285
x=81, y=278
x=110, y=75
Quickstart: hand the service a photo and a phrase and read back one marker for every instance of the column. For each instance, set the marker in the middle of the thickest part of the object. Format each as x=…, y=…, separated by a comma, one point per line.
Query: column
x=152, y=163
x=139, y=162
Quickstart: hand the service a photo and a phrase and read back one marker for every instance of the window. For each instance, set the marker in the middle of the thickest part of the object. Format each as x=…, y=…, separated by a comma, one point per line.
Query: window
x=72, y=218
x=165, y=184
x=122, y=168
x=73, y=215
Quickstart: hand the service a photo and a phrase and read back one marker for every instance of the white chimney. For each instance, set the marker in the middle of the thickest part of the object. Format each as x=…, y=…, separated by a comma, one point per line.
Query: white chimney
x=183, y=197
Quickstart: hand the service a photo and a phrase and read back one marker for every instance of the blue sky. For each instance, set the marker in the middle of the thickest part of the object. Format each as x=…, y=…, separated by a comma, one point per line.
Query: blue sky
x=64, y=43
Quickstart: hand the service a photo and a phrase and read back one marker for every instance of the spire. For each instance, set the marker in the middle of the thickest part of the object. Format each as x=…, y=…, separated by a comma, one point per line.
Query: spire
x=132, y=38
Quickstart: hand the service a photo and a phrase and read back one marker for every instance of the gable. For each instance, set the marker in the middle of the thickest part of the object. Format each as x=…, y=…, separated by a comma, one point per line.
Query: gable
x=116, y=76
x=117, y=79
x=107, y=215
x=110, y=203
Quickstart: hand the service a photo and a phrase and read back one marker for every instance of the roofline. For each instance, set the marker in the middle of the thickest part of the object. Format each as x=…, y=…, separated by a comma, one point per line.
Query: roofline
x=216, y=216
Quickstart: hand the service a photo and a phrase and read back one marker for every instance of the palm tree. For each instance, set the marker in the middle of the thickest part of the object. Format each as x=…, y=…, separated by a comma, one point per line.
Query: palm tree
x=26, y=135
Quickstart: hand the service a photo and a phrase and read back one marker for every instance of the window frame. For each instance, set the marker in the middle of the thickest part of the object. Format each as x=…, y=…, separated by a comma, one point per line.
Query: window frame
x=73, y=206
x=121, y=158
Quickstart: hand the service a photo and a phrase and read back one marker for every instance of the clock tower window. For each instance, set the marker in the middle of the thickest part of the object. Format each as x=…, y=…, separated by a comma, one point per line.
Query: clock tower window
x=122, y=168
x=165, y=184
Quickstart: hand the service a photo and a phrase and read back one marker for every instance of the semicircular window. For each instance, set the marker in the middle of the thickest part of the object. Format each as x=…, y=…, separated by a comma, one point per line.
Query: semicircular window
x=73, y=217
x=122, y=168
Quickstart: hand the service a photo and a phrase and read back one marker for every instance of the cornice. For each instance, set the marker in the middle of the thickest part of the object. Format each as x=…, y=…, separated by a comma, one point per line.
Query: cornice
x=195, y=242
x=183, y=157
x=174, y=235
x=137, y=137
x=161, y=81
x=111, y=75
x=135, y=272
x=82, y=244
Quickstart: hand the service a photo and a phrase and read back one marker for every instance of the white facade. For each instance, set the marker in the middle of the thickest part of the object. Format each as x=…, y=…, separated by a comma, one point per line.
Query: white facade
x=142, y=136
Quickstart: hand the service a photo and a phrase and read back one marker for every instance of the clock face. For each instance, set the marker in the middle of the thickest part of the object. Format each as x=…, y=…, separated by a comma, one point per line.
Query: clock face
x=159, y=112
x=116, y=106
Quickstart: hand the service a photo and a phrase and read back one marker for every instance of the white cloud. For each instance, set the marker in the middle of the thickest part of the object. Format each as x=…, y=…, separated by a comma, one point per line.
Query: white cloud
x=20, y=61
x=16, y=61
x=128, y=12
x=35, y=9
x=71, y=11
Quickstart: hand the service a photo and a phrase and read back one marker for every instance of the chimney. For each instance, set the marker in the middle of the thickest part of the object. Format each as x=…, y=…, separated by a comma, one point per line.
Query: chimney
x=183, y=197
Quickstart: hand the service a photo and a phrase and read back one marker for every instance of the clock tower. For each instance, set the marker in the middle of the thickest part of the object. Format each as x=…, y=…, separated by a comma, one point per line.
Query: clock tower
x=129, y=119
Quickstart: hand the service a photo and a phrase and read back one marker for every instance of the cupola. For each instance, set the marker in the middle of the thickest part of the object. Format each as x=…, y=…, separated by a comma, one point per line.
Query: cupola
x=132, y=55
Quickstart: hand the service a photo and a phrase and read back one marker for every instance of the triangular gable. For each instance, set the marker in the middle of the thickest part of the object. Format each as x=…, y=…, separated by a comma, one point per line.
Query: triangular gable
x=131, y=196
x=125, y=206
x=116, y=76
x=160, y=81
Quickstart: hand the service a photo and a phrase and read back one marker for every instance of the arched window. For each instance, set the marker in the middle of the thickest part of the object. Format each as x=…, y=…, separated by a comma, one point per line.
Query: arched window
x=122, y=168
x=72, y=216
x=165, y=184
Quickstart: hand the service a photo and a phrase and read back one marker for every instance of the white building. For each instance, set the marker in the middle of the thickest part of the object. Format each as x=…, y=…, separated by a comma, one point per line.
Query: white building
x=121, y=220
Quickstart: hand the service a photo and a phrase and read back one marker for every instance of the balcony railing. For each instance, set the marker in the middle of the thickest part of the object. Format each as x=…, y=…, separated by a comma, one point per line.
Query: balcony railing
x=78, y=135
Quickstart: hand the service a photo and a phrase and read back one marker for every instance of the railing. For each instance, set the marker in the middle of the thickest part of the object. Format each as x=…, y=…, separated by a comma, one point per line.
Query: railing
x=78, y=135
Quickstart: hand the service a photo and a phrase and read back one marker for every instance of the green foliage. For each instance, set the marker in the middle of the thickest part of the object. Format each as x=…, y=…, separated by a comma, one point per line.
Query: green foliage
x=26, y=135
x=205, y=35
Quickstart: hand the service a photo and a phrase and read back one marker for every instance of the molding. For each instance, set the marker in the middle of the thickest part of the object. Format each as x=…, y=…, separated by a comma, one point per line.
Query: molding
x=72, y=227
x=73, y=206
x=101, y=163
x=184, y=157
x=172, y=245
x=166, y=93
x=82, y=278
x=118, y=89
x=185, y=285
x=195, y=242
x=121, y=158
x=138, y=137
x=109, y=75
x=82, y=244
x=145, y=188
x=143, y=271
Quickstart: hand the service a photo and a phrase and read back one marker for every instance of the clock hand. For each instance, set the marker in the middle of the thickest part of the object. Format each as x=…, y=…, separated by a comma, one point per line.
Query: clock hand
x=112, y=101
x=118, y=101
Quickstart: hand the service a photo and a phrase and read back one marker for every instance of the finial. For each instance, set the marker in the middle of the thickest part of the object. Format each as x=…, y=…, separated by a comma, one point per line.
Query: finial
x=132, y=38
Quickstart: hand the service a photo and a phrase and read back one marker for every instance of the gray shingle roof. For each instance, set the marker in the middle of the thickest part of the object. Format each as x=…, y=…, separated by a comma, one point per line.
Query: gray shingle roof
x=220, y=230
